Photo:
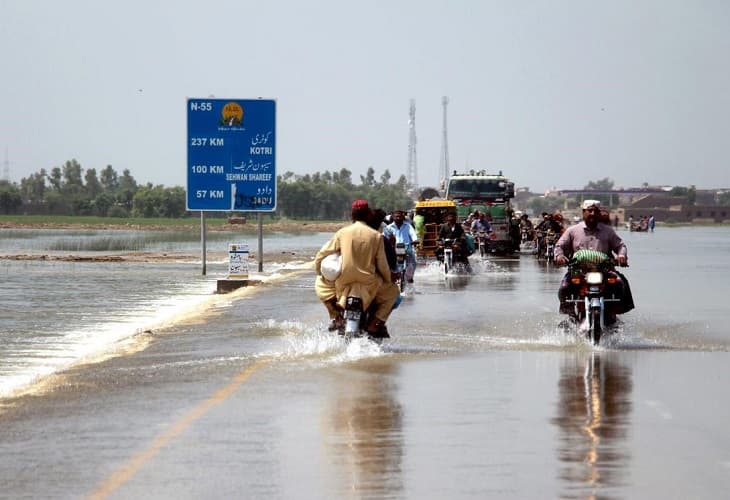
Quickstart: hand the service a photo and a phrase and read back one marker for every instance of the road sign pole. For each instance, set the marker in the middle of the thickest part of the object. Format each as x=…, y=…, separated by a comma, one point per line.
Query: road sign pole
x=261, y=243
x=202, y=239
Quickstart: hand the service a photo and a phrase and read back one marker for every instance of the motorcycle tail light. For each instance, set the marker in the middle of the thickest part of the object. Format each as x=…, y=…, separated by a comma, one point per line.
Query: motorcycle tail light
x=611, y=280
x=594, y=278
x=575, y=280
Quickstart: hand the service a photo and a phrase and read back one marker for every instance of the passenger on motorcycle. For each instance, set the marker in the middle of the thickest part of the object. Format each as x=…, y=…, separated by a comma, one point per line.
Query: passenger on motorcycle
x=559, y=222
x=452, y=230
x=365, y=272
x=591, y=234
x=377, y=222
x=404, y=233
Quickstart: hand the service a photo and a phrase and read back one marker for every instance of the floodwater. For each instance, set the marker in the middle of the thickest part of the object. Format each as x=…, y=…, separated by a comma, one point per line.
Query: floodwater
x=135, y=380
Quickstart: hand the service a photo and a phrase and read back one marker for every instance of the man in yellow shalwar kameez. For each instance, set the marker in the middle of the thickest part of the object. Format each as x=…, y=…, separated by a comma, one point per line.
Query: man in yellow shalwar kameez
x=365, y=272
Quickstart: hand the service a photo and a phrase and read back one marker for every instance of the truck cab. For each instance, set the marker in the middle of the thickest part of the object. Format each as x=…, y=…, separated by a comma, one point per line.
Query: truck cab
x=491, y=194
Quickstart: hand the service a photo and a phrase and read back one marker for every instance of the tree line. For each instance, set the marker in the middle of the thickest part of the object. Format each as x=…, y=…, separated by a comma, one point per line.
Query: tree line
x=72, y=190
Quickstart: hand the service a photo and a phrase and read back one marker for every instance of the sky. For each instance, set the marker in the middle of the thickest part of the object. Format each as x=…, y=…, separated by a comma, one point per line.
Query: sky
x=554, y=93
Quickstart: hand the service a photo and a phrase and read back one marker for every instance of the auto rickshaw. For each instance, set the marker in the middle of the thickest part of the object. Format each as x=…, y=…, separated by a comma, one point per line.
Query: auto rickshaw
x=429, y=215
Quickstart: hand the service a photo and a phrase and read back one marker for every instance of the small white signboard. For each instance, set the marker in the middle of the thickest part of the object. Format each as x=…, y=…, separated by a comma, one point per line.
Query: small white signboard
x=238, y=261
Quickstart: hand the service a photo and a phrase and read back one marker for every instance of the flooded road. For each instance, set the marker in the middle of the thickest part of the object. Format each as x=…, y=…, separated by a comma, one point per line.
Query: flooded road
x=478, y=393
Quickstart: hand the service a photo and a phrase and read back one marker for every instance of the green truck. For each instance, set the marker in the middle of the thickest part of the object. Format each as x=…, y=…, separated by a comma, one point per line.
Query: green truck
x=489, y=193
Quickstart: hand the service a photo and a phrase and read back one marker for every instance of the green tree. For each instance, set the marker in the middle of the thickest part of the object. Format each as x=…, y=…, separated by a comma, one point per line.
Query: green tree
x=33, y=188
x=92, y=184
x=56, y=203
x=102, y=203
x=385, y=178
x=344, y=178
x=55, y=179
x=159, y=201
x=109, y=179
x=10, y=198
x=368, y=180
x=126, y=190
x=174, y=202
x=72, y=182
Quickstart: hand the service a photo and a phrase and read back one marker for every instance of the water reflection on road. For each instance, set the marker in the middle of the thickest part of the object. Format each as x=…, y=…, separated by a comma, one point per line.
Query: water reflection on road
x=593, y=419
x=364, y=429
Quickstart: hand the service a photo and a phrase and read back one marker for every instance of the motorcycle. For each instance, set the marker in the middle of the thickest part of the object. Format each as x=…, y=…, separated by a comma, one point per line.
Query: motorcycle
x=594, y=292
x=448, y=258
x=546, y=245
x=356, y=320
x=524, y=236
x=527, y=243
x=482, y=242
x=401, y=258
x=453, y=255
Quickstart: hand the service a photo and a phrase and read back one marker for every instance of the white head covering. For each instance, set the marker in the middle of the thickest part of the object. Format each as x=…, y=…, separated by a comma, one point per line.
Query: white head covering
x=590, y=203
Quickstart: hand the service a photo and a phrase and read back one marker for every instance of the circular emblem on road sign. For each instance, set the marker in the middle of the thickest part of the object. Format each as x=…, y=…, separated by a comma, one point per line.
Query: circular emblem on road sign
x=232, y=114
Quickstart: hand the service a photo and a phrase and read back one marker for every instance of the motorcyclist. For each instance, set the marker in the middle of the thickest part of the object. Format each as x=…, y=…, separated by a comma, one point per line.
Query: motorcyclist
x=452, y=230
x=526, y=225
x=365, y=271
x=548, y=223
x=403, y=232
x=481, y=223
x=592, y=234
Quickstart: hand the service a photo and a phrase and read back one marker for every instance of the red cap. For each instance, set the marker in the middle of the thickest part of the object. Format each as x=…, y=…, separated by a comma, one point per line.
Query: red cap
x=359, y=204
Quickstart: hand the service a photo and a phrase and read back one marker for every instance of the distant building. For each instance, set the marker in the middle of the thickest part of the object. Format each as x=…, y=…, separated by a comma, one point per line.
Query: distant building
x=667, y=208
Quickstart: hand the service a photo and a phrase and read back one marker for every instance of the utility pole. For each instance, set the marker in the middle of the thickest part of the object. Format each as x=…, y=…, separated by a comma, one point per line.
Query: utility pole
x=444, y=167
x=412, y=163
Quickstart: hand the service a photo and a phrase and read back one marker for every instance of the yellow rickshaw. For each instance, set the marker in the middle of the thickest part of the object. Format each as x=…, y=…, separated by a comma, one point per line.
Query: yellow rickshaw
x=429, y=215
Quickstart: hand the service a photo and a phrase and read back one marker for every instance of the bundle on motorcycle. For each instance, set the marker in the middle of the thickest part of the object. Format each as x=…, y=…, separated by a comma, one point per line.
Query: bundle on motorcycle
x=593, y=293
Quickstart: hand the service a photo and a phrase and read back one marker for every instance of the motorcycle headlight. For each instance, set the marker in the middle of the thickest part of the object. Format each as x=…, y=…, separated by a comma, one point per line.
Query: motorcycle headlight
x=594, y=278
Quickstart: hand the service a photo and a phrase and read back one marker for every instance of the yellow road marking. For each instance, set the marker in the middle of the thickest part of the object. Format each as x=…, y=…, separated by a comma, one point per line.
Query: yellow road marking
x=129, y=469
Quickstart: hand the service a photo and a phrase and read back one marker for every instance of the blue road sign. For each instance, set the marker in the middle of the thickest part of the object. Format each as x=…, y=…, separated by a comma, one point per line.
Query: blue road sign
x=231, y=155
